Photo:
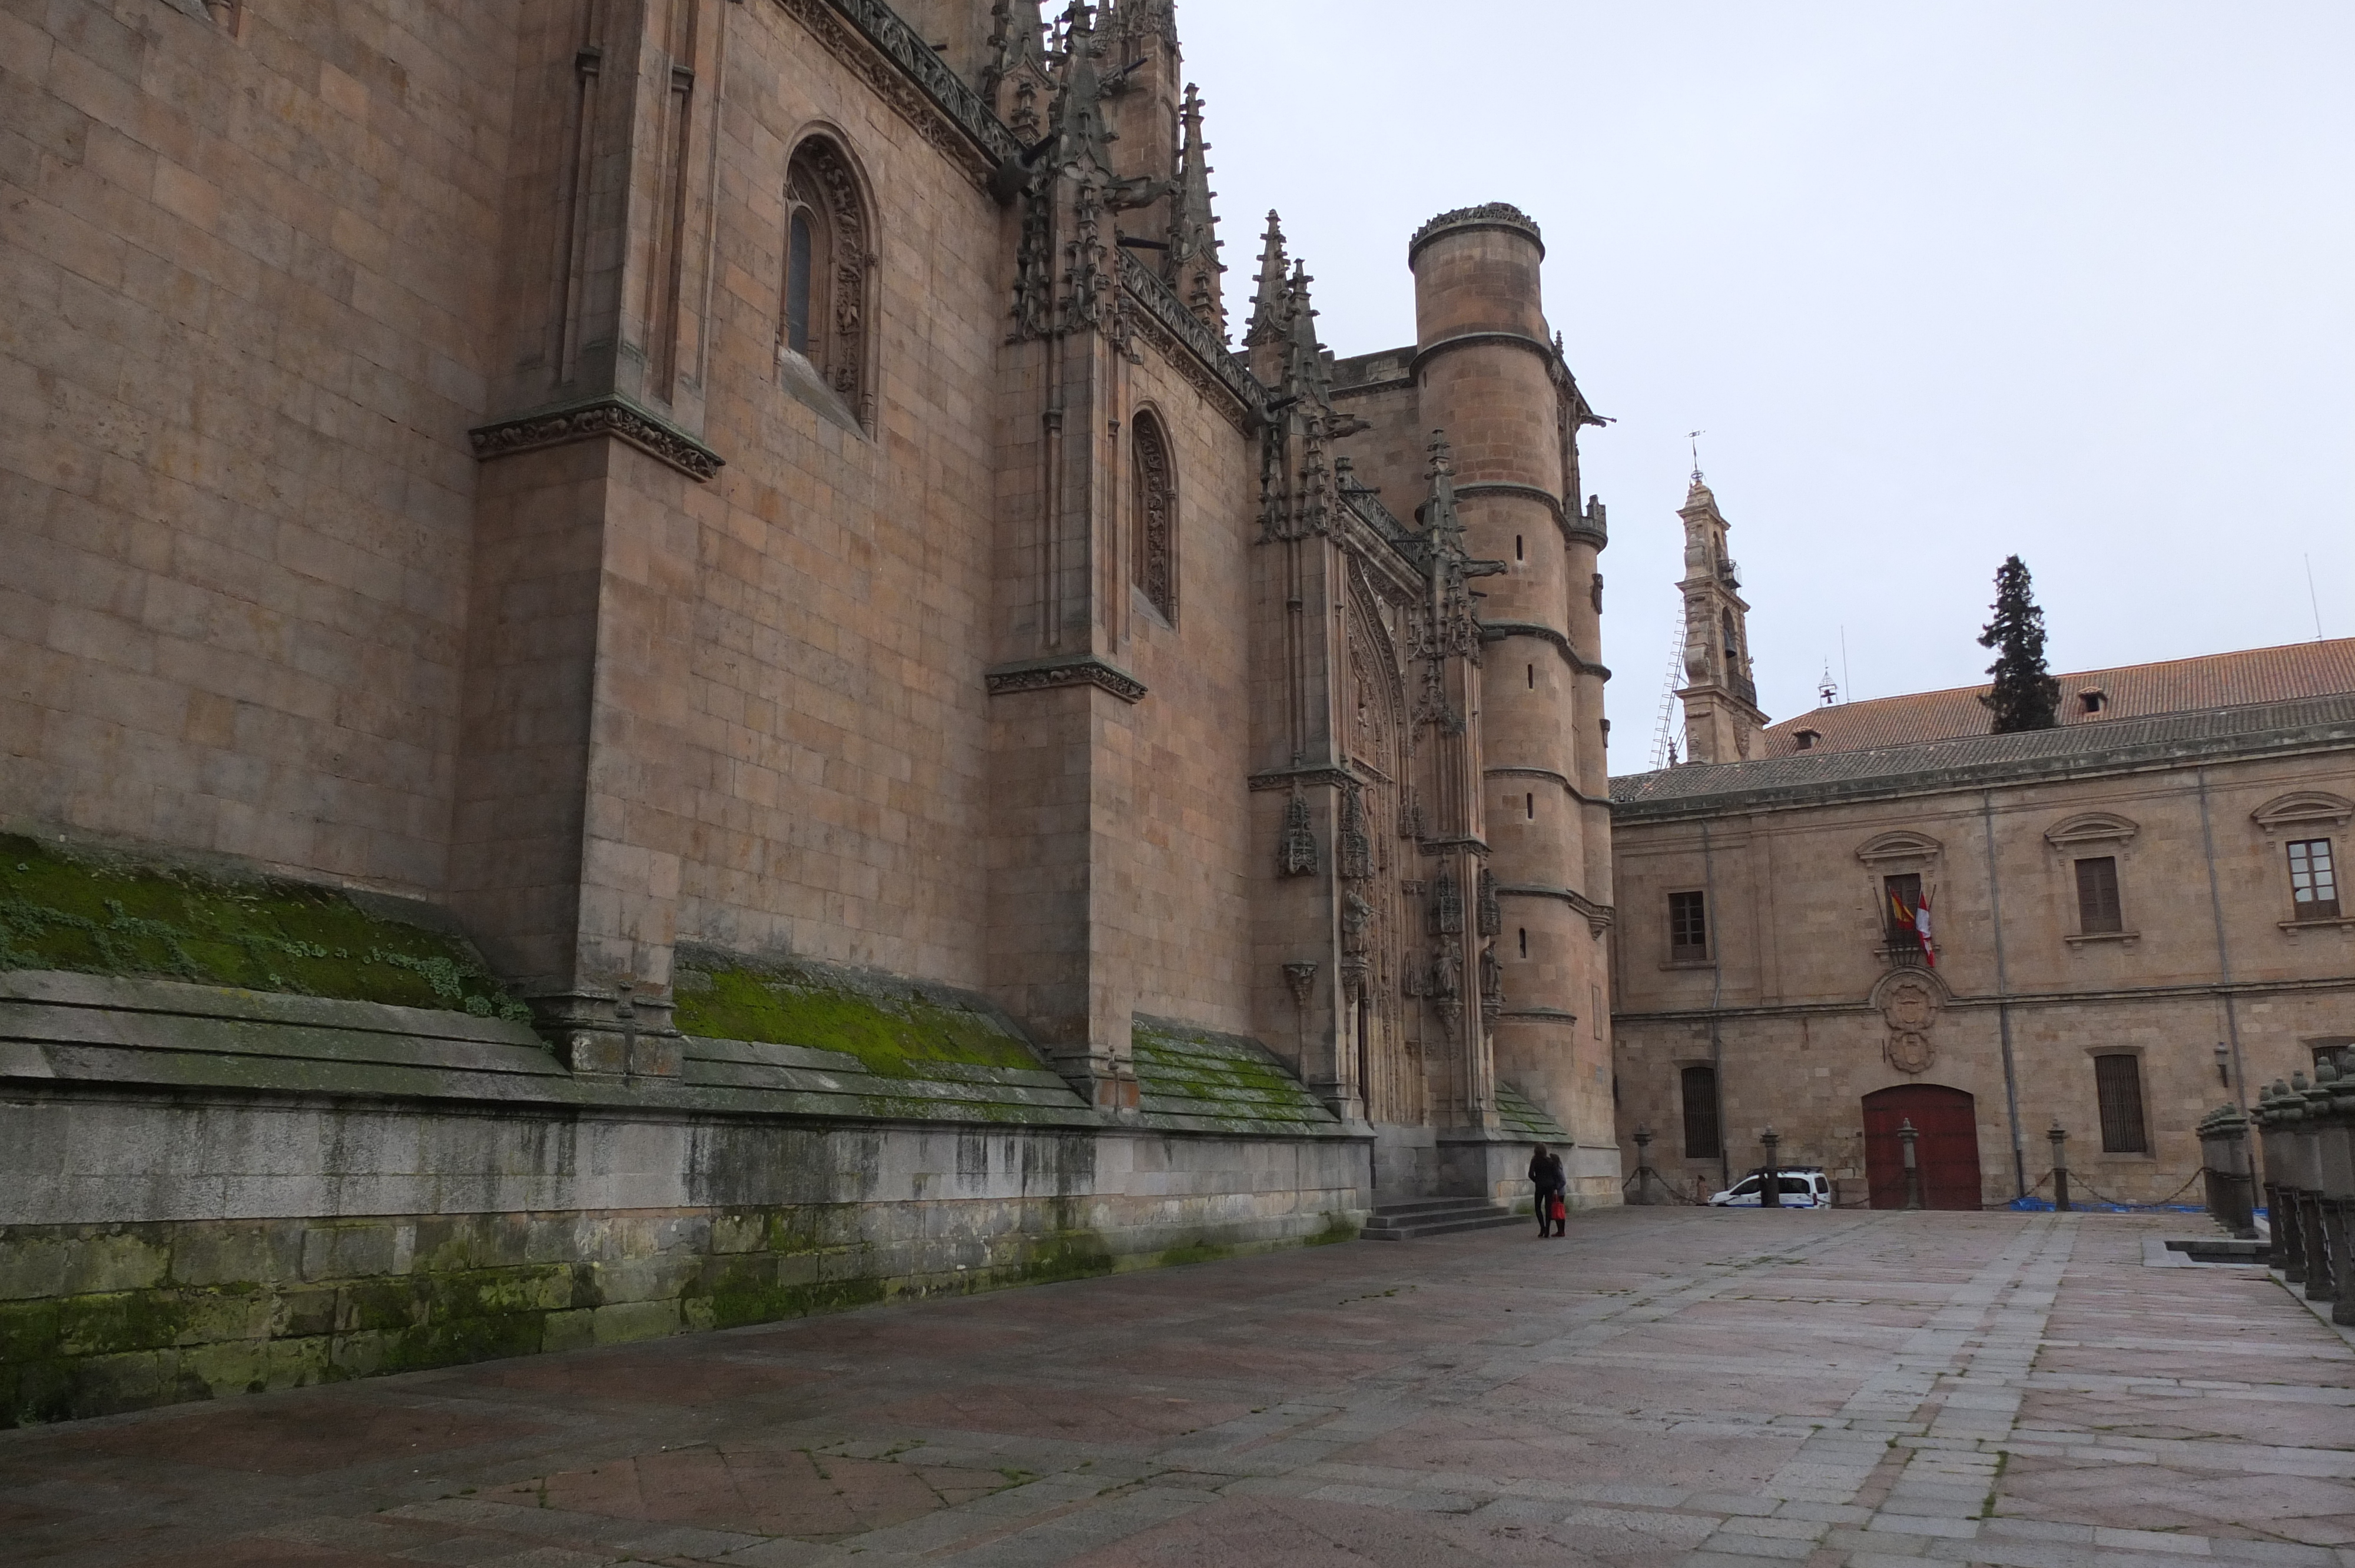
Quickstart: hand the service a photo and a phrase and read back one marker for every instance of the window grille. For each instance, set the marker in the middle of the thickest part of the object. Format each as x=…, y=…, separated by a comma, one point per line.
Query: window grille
x=2118, y=1082
x=1688, y=927
x=1699, y=1091
x=2313, y=880
x=2097, y=896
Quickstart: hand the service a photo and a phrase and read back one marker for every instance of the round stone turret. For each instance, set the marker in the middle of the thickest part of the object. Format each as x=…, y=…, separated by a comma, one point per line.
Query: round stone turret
x=1487, y=374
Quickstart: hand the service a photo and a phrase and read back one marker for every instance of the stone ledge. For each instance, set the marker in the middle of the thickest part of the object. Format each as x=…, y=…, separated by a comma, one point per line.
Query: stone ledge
x=1066, y=669
x=610, y=415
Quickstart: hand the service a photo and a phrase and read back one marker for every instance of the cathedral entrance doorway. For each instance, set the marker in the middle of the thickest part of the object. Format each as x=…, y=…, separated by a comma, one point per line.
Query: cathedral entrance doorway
x=1947, y=1149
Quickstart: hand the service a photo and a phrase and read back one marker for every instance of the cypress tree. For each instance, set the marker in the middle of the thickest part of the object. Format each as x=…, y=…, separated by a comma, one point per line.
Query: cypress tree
x=2024, y=696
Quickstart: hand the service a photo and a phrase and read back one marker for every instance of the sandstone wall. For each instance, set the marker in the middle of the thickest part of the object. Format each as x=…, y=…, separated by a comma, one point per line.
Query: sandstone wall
x=247, y=324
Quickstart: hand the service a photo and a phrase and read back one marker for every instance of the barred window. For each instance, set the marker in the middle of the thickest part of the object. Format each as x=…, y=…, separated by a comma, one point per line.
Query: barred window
x=2313, y=880
x=1688, y=927
x=2097, y=896
x=2117, y=1080
x=1699, y=1086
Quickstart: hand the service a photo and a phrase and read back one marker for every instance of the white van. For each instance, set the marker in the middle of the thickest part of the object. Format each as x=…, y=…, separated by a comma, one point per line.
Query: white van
x=1803, y=1187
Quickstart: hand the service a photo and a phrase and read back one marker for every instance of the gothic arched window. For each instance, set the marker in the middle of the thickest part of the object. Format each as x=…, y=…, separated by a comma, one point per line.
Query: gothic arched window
x=827, y=261
x=1156, y=571
x=1733, y=651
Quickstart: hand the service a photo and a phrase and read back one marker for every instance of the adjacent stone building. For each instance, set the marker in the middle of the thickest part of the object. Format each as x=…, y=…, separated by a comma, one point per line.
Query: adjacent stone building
x=2132, y=917
x=659, y=666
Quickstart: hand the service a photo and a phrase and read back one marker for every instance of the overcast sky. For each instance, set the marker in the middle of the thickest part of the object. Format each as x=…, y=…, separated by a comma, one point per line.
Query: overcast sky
x=1940, y=282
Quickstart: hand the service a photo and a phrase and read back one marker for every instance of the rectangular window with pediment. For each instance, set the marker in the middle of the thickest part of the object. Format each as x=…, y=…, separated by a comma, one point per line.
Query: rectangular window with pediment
x=2313, y=880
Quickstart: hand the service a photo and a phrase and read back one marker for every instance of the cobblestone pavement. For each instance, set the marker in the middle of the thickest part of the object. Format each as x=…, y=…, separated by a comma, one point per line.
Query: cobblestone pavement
x=1665, y=1386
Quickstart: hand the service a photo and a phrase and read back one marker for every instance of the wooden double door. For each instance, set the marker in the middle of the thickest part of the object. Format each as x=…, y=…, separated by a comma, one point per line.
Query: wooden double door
x=1946, y=1147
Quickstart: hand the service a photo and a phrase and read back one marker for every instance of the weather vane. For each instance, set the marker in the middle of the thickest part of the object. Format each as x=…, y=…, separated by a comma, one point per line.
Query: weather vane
x=1694, y=437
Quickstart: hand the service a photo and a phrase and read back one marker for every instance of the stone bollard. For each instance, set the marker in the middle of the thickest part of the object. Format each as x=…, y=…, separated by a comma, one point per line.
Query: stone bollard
x=2224, y=1158
x=1644, y=1174
x=2315, y=1103
x=2060, y=1138
x=1770, y=1185
x=2339, y=1186
x=1905, y=1138
x=2280, y=1111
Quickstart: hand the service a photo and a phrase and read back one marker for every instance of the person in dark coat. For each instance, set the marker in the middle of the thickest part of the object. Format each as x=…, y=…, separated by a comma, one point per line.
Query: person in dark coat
x=1552, y=1183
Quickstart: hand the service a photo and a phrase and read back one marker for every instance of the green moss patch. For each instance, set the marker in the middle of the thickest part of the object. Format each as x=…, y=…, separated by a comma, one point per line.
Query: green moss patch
x=64, y=910
x=896, y=1028
x=1188, y=1070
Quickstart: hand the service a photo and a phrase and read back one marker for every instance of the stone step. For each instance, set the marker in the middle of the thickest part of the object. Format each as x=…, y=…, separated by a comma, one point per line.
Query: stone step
x=1436, y=1217
x=1406, y=1206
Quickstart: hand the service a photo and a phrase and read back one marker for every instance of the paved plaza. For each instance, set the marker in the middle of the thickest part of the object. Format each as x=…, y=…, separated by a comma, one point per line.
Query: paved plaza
x=1664, y=1386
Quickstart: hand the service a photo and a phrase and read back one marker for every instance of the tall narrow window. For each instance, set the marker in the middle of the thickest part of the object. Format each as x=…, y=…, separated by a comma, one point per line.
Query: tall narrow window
x=1688, y=927
x=2313, y=880
x=2118, y=1082
x=827, y=261
x=1156, y=570
x=1698, y=1088
x=1900, y=902
x=799, y=241
x=2097, y=896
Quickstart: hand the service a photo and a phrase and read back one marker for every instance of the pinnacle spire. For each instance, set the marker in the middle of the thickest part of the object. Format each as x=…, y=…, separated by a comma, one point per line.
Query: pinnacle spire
x=1193, y=257
x=1269, y=297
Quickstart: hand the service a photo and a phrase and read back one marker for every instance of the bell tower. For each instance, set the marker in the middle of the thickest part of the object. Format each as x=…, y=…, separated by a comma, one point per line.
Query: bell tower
x=1719, y=693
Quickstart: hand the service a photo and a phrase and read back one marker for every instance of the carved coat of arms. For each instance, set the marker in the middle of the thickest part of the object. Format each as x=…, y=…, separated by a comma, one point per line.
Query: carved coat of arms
x=1909, y=1007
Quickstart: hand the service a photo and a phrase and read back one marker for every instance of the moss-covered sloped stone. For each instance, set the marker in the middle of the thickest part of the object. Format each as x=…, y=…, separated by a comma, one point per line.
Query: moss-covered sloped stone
x=894, y=1028
x=79, y=910
x=1519, y=1113
x=1190, y=1077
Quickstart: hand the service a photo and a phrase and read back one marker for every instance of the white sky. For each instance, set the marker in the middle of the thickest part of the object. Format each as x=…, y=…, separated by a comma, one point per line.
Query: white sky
x=1940, y=282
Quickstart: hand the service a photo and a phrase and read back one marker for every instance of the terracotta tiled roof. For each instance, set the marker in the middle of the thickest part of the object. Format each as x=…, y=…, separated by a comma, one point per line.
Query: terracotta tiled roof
x=2134, y=690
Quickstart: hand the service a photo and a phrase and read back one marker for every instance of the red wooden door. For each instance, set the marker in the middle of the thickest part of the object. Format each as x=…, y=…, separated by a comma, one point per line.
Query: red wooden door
x=1947, y=1149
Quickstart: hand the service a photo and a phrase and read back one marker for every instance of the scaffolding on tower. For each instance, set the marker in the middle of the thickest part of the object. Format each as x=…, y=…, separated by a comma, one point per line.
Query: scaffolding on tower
x=1664, y=739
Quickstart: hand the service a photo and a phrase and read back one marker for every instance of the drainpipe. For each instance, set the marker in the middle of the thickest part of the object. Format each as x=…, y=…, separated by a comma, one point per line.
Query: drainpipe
x=2224, y=954
x=1716, y=998
x=2002, y=998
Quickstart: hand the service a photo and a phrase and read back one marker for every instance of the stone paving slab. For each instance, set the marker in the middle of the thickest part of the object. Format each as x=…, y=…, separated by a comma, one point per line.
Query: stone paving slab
x=1662, y=1387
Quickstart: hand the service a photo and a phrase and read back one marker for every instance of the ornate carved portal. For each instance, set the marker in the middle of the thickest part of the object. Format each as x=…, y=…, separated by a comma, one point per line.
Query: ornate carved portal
x=1381, y=963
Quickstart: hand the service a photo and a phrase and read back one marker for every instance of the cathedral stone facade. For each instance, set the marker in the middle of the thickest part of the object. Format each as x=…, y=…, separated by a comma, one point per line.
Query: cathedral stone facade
x=727, y=514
